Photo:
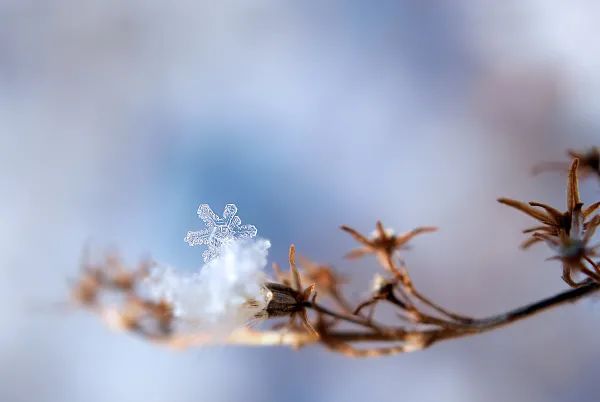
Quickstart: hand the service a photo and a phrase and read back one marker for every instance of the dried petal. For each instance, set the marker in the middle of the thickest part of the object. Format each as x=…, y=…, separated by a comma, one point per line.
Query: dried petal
x=297, y=283
x=547, y=229
x=381, y=232
x=590, y=228
x=357, y=253
x=591, y=209
x=553, y=212
x=573, y=186
x=527, y=209
x=357, y=236
x=406, y=237
x=530, y=242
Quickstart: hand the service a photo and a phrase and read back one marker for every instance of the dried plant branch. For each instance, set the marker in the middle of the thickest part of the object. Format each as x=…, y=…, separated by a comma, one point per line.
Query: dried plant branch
x=310, y=299
x=412, y=340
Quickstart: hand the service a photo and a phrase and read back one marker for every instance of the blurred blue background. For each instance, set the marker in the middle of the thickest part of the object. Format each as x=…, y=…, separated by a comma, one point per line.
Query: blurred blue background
x=117, y=118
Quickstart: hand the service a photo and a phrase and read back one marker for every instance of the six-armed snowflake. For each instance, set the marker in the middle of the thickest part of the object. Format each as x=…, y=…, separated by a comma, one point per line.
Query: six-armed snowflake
x=219, y=230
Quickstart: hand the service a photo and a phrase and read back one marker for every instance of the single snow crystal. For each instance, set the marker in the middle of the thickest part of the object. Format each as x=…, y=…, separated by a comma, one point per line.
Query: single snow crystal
x=219, y=230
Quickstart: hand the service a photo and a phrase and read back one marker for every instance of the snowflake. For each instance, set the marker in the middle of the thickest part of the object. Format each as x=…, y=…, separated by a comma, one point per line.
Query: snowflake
x=219, y=230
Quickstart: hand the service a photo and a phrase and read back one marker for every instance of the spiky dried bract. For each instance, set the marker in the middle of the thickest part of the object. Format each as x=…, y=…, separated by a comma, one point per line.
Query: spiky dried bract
x=383, y=243
x=298, y=295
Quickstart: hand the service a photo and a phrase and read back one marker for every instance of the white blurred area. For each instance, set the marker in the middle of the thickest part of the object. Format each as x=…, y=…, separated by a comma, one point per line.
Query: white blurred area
x=118, y=118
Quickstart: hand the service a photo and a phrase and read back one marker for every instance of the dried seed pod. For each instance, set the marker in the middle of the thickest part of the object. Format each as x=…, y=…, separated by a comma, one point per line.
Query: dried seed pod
x=282, y=300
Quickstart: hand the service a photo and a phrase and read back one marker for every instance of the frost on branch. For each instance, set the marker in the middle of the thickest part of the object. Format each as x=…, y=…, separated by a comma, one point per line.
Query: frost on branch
x=219, y=230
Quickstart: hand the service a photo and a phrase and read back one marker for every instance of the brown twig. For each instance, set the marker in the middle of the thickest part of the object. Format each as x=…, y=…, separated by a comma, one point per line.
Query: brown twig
x=339, y=341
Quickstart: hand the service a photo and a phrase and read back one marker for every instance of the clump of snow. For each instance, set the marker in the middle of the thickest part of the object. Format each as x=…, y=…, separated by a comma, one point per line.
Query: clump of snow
x=225, y=294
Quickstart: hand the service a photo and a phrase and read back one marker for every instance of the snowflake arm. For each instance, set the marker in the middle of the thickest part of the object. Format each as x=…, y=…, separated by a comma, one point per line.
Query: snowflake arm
x=246, y=231
x=229, y=214
x=209, y=218
x=198, y=238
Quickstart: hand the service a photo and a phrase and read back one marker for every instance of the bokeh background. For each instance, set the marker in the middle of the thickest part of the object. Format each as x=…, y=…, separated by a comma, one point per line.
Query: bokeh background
x=117, y=118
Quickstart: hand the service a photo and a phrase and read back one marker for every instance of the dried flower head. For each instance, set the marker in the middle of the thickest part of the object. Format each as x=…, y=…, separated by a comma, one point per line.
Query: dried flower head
x=112, y=290
x=552, y=219
x=383, y=243
x=111, y=274
x=567, y=232
x=290, y=299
